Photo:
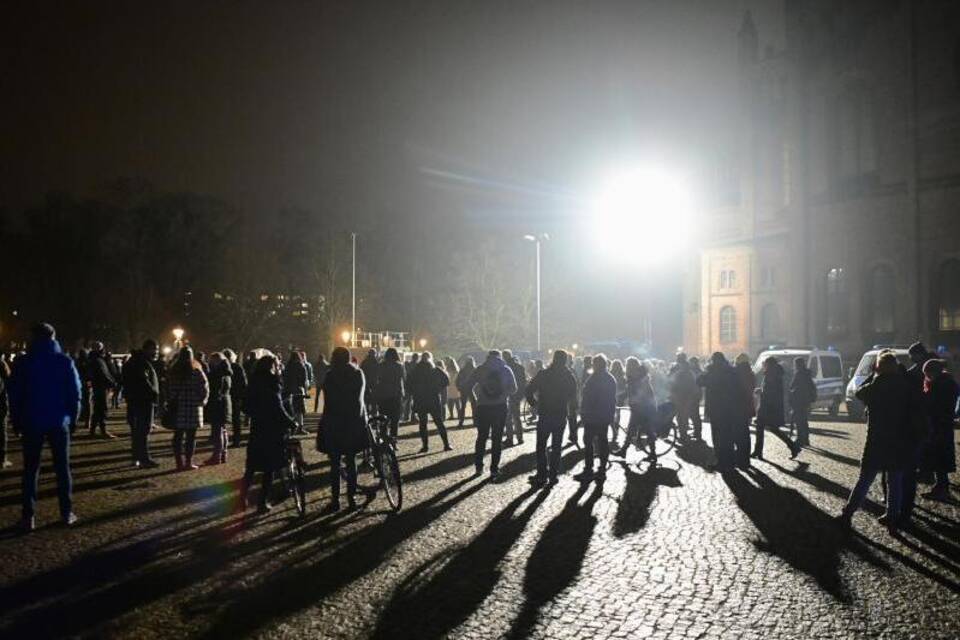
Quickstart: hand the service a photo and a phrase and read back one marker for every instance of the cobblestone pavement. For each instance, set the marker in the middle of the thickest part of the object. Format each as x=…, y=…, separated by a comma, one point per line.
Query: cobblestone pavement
x=670, y=552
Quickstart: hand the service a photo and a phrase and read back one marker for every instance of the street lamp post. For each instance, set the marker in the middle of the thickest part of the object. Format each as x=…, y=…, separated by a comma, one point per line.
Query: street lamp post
x=353, y=294
x=536, y=240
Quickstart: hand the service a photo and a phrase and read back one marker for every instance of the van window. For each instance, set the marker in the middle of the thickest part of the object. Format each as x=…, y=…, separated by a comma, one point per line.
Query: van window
x=831, y=367
x=814, y=365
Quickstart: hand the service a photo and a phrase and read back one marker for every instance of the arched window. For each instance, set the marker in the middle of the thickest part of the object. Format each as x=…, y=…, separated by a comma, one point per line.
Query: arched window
x=769, y=322
x=948, y=287
x=836, y=301
x=728, y=325
x=728, y=279
x=883, y=300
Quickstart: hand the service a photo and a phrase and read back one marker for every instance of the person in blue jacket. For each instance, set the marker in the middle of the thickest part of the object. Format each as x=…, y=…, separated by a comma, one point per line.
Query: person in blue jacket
x=44, y=393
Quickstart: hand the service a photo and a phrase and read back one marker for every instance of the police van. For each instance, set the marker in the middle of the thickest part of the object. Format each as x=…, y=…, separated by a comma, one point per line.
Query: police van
x=826, y=368
x=867, y=361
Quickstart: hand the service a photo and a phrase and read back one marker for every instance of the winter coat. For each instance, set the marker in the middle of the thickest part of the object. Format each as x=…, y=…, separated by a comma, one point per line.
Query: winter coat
x=939, y=450
x=683, y=384
x=99, y=372
x=390, y=381
x=723, y=394
x=426, y=383
x=771, y=411
x=519, y=376
x=186, y=397
x=320, y=373
x=343, y=423
x=464, y=379
x=803, y=390
x=141, y=387
x=238, y=384
x=493, y=382
x=370, y=367
x=598, y=404
x=890, y=400
x=269, y=423
x=553, y=391
x=4, y=403
x=748, y=384
x=43, y=390
x=295, y=379
x=220, y=406
x=638, y=394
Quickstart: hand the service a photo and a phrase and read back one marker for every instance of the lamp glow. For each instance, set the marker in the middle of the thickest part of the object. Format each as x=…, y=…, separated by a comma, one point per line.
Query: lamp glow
x=641, y=215
x=423, y=342
x=345, y=336
x=178, y=334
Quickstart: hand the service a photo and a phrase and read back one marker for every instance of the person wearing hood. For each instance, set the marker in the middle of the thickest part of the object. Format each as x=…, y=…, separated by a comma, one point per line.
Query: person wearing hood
x=466, y=394
x=219, y=411
x=725, y=398
x=44, y=396
x=494, y=384
x=427, y=384
x=142, y=392
x=390, y=389
x=770, y=415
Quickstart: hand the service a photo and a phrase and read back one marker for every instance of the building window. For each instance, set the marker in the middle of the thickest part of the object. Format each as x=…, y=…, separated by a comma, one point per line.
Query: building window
x=728, y=279
x=948, y=312
x=769, y=322
x=728, y=325
x=836, y=301
x=882, y=298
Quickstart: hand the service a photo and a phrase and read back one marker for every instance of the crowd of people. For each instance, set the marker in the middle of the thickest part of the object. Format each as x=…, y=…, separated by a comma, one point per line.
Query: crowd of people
x=49, y=395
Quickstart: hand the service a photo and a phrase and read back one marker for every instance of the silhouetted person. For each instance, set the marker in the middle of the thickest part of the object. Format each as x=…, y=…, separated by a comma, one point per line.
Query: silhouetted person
x=142, y=392
x=514, y=427
x=269, y=424
x=598, y=405
x=618, y=373
x=187, y=393
x=803, y=393
x=320, y=374
x=685, y=395
x=238, y=391
x=389, y=391
x=919, y=356
x=454, y=408
x=724, y=398
x=638, y=395
x=344, y=423
x=770, y=415
x=101, y=383
x=408, y=368
x=295, y=389
x=890, y=399
x=939, y=451
x=82, y=364
x=426, y=384
x=467, y=395
x=369, y=366
x=44, y=392
x=740, y=433
x=551, y=392
x=4, y=411
x=494, y=384
x=219, y=406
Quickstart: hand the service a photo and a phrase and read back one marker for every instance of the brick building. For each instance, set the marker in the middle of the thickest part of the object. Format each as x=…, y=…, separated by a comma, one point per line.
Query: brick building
x=837, y=213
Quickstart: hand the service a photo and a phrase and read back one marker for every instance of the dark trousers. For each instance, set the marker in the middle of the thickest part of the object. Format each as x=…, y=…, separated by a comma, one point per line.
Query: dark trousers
x=722, y=433
x=775, y=430
x=84, y=405
x=490, y=420
x=99, y=410
x=59, y=440
x=435, y=412
x=801, y=420
x=266, y=486
x=407, y=408
x=140, y=417
x=740, y=443
x=572, y=426
x=350, y=461
x=909, y=484
x=237, y=419
x=549, y=429
x=859, y=492
x=184, y=443
x=3, y=437
x=464, y=399
x=595, y=443
x=391, y=408
x=515, y=420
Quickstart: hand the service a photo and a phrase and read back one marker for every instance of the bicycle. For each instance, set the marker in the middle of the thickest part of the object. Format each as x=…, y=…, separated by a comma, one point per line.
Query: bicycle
x=385, y=467
x=293, y=473
x=666, y=434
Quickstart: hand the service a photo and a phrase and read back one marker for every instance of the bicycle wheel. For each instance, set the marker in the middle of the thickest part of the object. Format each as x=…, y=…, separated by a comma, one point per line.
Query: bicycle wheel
x=390, y=478
x=662, y=445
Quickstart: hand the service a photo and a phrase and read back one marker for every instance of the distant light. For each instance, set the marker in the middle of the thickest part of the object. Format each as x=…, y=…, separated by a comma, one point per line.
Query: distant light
x=575, y=346
x=345, y=336
x=422, y=343
x=641, y=214
x=529, y=238
x=178, y=334
x=167, y=350
x=15, y=312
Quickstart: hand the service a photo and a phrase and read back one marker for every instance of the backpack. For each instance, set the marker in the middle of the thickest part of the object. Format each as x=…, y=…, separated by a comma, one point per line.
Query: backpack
x=492, y=384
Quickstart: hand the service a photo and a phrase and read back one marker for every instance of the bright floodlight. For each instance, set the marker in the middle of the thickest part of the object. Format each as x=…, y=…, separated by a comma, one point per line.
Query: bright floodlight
x=345, y=336
x=178, y=334
x=641, y=215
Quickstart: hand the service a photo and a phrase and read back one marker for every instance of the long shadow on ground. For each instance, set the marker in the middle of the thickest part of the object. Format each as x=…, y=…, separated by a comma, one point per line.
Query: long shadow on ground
x=633, y=508
x=794, y=529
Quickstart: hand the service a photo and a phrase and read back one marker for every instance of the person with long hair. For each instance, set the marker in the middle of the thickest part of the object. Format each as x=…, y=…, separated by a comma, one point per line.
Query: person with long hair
x=187, y=393
x=269, y=424
x=389, y=391
x=343, y=423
